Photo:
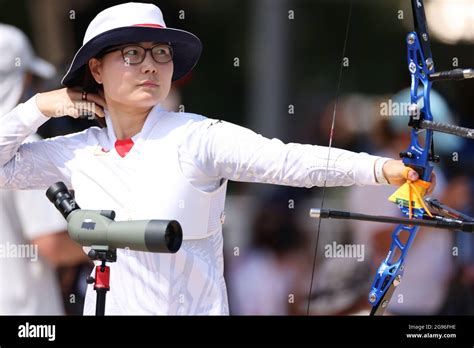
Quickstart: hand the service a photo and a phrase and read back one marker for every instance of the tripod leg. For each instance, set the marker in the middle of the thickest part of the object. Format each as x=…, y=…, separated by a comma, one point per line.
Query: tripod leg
x=100, y=304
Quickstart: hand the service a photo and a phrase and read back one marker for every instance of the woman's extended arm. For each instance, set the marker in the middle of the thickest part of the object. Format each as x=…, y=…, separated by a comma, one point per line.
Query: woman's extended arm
x=225, y=150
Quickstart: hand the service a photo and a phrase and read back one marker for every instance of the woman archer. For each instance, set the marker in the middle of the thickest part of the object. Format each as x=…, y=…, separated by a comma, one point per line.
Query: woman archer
x=147, y=163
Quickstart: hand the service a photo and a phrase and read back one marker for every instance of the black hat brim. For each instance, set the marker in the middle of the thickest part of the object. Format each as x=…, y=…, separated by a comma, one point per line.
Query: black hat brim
x=187, y=49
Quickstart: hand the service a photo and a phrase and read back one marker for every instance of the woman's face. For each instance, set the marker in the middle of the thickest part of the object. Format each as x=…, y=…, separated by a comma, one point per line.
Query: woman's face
x=141, y=85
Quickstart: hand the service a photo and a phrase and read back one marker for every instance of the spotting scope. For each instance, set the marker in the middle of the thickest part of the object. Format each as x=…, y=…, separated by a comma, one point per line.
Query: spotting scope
x=98, y=228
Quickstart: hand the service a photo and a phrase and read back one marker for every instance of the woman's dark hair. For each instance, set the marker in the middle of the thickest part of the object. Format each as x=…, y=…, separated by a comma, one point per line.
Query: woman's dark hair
x=86, y=81
x=90, y=85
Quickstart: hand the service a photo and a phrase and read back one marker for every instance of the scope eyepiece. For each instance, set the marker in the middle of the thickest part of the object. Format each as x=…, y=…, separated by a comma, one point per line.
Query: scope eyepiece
x=59, y=195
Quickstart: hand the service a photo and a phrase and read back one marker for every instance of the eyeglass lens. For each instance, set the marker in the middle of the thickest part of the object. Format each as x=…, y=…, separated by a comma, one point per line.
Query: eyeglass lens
x=136, y=54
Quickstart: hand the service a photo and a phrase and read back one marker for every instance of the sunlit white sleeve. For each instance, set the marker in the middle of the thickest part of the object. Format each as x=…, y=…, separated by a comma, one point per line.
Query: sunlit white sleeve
x=34, y=165
x=217, y=149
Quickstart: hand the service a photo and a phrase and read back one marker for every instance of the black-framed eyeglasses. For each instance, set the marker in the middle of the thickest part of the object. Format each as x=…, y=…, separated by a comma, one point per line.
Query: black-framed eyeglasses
x=135, y=54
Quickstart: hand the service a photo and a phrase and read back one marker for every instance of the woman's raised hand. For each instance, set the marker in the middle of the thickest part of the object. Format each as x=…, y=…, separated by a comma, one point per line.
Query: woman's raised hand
x=70, y=102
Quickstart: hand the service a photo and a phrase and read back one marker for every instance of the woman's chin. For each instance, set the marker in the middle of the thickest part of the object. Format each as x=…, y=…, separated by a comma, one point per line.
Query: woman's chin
x=146, y=100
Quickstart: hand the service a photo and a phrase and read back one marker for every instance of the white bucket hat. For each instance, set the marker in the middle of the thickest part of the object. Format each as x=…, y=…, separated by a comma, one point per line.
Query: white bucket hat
x=17, y=58
x=130, y=23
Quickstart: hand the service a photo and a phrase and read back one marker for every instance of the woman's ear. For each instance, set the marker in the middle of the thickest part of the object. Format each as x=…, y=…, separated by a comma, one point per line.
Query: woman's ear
x=95, y=67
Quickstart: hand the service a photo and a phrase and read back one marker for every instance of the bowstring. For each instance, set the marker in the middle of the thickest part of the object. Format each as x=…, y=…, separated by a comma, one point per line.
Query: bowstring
x=341, y=68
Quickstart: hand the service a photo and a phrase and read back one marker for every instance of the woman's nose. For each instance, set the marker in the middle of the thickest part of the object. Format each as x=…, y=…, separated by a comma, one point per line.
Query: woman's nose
x=149, y=64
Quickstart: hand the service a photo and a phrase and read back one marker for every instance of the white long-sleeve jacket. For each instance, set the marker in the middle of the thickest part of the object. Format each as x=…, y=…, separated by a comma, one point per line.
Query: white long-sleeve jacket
x=173, y=149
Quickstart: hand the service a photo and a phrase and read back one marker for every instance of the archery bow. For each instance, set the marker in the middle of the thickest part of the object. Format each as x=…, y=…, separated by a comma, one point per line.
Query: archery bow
x=419, y=156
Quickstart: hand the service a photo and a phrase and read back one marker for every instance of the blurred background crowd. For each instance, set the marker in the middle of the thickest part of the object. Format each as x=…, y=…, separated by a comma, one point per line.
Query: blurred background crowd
x=271, y=66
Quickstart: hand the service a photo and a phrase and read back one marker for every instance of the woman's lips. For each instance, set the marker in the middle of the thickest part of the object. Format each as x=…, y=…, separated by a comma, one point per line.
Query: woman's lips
x=148, y=84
